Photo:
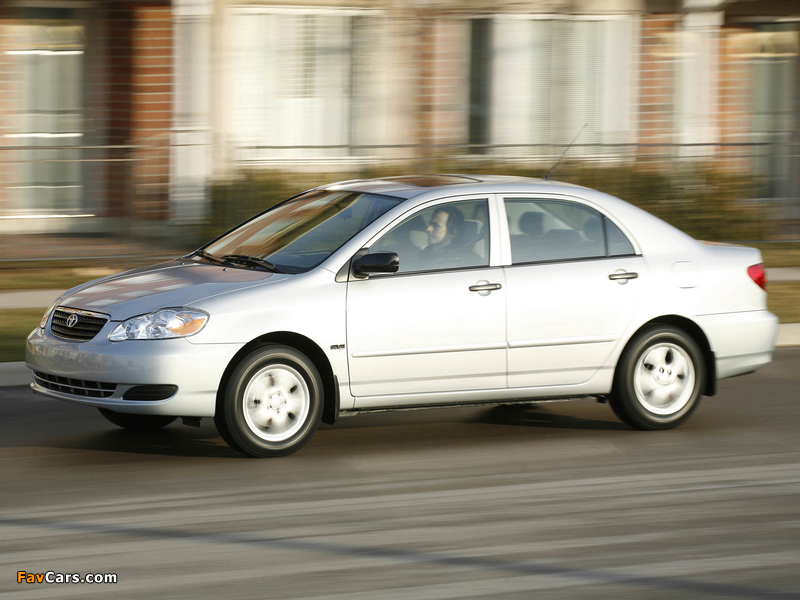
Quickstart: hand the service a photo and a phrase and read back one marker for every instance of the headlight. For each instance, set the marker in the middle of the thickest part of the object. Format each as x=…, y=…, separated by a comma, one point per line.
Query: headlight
x=47, y=314
x=159, y=325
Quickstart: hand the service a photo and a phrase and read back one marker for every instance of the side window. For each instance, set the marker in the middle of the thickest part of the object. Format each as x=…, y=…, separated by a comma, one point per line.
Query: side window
x=543, y=230
x=618, y=244
x=445, y=236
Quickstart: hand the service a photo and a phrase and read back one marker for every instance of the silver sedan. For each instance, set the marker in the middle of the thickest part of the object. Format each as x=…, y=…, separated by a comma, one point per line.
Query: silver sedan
x=411, y=292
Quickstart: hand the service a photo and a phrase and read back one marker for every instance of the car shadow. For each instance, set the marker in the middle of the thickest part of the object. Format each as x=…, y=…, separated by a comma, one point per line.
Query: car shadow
x=537, y=415
x=41, y=423
x=205, y=442
x=176, y=440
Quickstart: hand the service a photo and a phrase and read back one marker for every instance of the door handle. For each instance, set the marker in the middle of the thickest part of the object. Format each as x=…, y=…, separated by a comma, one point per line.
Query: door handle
x=484, y=287
x=626, y=275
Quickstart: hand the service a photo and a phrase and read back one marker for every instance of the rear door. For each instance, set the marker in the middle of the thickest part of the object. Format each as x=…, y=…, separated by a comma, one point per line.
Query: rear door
x=573, y=286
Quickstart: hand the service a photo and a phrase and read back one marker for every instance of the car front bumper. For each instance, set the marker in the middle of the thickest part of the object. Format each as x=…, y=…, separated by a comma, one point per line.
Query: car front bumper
x=196, y=370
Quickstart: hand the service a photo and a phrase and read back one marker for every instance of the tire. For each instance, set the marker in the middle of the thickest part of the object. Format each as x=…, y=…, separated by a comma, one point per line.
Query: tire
x=659, y=380
x=137, y=422
x=272, y=403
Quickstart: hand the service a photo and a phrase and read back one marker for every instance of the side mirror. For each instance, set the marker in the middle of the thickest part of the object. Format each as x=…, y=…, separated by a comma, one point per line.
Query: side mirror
x=377, y=262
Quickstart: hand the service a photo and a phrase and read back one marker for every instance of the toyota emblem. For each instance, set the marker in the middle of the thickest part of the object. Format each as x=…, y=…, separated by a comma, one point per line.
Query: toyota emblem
x=72, y=320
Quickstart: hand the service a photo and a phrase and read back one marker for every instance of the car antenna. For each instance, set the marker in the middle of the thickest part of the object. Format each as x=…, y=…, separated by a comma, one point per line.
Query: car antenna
x=558, y=162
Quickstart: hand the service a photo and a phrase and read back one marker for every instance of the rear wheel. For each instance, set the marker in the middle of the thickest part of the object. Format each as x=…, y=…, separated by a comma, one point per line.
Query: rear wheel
x=136, y=422
x=272, y=403
x=659, y=379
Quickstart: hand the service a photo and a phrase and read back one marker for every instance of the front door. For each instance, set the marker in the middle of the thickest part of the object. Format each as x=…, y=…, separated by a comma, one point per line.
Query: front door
x=438, y=324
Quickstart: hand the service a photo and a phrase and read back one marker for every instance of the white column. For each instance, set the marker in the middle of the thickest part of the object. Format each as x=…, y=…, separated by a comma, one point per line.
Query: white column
x=190, y=160
x=698, y=80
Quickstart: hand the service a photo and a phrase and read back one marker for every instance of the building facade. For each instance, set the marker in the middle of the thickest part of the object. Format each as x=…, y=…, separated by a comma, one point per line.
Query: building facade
x=122, y=111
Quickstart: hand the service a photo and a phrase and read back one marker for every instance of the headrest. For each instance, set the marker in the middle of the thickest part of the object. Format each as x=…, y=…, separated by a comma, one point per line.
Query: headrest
x=471, y=228
x=468, y=234
x=403, y=231
x=530, y=222
x=563, y=236
x=593, y=229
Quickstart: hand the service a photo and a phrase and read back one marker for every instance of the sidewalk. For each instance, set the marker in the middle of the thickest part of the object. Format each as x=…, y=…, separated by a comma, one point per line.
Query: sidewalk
x=783, y=274
x=28, y=299
x=44, y=298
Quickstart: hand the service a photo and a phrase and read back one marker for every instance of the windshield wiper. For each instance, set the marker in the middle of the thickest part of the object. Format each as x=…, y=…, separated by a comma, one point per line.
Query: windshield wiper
x=252, y=261
x=210, y=257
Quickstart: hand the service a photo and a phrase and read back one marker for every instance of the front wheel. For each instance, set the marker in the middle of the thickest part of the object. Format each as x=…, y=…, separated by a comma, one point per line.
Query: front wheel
x=272, y=403
x=136, y=422
x=659, y=379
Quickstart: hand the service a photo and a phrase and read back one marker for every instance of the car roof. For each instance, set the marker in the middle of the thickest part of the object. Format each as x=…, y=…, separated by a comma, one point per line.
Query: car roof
x=409, y=186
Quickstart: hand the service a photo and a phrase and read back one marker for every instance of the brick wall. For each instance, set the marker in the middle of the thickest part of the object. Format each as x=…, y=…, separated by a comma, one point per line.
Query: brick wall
x=660, y=56
x=119, y=47
x=657, y=81
x=735, y=99
x=450, y=86
x=151, y=109
x=138, y=41
x=444, y=81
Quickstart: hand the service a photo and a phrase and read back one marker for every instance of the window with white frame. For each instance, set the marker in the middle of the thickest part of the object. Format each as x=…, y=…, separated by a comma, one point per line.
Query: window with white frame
x=548, y=77
x=773, y=72
x=296, y=78
x=45, y=112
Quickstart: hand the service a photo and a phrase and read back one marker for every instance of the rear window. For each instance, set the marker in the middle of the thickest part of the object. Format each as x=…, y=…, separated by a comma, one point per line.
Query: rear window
x=549, y=230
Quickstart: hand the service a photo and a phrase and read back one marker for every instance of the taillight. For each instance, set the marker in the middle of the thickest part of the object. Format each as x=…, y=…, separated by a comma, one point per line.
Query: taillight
x=757, y=274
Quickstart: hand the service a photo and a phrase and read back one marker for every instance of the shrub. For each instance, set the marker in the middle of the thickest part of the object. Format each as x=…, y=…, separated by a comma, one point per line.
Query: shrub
x=705, y=203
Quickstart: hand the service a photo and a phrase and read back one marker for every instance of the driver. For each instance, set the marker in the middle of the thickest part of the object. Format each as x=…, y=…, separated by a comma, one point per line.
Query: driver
x=444, y=227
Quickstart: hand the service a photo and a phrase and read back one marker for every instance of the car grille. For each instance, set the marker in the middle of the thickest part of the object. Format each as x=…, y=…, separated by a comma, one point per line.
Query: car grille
x=75, y=387
x=86, y=327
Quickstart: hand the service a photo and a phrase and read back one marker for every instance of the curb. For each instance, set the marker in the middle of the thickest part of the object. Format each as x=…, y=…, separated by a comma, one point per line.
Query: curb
x=28, y=298
x=16, y=373
x=788, y=335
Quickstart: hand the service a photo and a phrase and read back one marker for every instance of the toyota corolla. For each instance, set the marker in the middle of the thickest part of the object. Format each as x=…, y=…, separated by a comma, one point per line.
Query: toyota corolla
x=411, y=292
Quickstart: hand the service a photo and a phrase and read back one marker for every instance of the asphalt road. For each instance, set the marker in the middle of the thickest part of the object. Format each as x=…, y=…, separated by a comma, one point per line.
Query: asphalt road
x=554, y=501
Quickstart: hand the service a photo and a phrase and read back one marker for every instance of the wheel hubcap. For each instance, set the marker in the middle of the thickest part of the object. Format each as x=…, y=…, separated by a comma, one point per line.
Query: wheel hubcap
x=664, y=379
x=276, y=402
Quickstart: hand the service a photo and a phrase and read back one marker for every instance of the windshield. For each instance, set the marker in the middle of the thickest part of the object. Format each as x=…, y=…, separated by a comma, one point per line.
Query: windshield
x=298, y=235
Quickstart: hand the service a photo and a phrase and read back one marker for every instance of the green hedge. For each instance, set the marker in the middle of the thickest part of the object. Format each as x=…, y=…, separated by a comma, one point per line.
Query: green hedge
x=703, y=202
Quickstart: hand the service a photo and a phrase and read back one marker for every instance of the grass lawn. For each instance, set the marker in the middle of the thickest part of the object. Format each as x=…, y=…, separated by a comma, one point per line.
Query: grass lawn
x=15, y=325
x=779, y=255
x=783, y=299
x=39, y=279
x=63, y=275
x=53, y=278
